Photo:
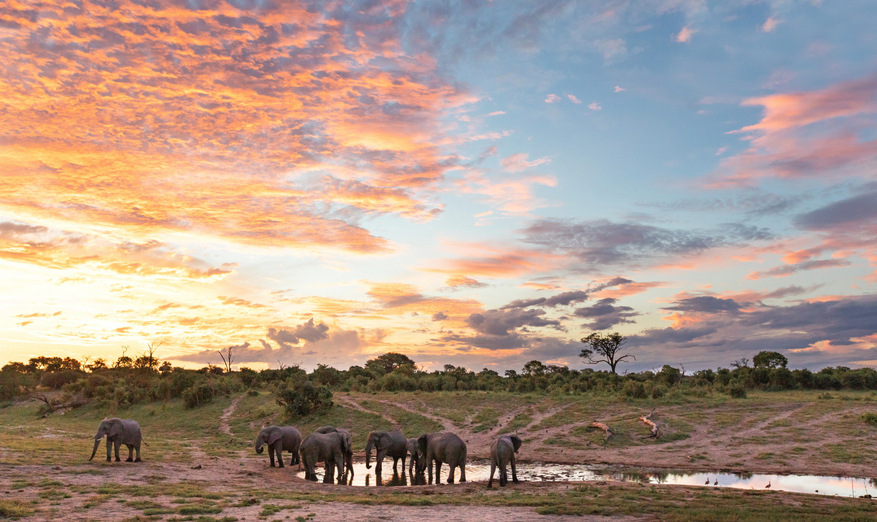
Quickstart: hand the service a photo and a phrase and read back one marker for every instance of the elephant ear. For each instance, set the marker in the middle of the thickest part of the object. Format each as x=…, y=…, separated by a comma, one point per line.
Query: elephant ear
x=346, y=444
x=274, y=435
x=115, y=428
x=421, y=443
x=516, y=442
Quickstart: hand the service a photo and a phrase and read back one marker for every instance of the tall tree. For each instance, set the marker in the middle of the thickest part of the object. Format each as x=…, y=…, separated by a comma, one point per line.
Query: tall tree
x=604, y=349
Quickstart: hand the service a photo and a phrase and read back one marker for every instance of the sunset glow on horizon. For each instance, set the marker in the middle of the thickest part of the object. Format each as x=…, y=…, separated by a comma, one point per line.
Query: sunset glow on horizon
x=479, y=183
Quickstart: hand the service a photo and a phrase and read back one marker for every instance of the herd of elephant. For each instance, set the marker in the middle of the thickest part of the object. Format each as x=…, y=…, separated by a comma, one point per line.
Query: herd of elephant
x=334, y=447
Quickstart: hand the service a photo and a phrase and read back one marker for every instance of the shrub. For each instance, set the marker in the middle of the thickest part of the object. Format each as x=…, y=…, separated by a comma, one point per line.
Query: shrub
x=55, y=380
x=870, y=418
x=736, y=390
x=633, y=390
x=303, y=398
x=198, y=395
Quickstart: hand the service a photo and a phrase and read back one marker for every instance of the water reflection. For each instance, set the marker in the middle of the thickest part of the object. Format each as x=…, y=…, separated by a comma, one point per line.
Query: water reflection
x=478, y=470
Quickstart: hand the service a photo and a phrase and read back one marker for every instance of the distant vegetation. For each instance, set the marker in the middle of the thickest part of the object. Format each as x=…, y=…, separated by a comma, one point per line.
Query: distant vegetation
x=141, y=379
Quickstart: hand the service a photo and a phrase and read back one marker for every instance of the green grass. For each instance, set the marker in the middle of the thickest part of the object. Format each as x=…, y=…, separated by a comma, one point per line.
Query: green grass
x=14, y=509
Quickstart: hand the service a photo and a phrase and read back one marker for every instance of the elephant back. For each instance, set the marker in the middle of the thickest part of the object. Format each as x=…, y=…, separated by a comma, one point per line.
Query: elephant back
x=131, y=433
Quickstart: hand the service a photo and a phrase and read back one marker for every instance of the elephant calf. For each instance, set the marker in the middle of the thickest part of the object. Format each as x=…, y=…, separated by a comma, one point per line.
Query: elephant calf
x=324, y=447
x=280, y=439
x=118, y=432
x=502, y=453
x=442, y=447
x=414, y=451
x=386, y=444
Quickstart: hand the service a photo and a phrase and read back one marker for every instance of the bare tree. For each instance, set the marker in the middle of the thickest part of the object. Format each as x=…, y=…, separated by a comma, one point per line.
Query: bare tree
x=227, y=361
x=741, y=363
x=604, y=349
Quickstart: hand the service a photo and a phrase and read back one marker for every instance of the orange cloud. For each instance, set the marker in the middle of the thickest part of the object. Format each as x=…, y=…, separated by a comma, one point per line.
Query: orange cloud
x=151, y=118
x=627, y=289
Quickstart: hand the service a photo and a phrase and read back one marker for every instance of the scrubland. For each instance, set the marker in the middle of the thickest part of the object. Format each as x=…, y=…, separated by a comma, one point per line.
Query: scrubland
x=46, y=474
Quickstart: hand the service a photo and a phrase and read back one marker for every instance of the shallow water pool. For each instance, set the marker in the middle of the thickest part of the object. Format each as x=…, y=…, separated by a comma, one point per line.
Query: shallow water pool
x=478, y=470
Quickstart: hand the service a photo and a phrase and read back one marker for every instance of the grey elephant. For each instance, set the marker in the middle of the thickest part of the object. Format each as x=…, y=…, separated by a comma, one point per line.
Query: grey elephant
x=280, y=439
x=324, y=447
x=414, y=453
x=118, y=432
x=348, y=457
x=442, y=447
x=386, y=444
x=502, y=453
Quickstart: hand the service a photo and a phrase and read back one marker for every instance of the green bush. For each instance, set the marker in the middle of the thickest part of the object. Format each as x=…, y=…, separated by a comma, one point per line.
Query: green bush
x=303, y=398
x=55, y=380
x=870, y=418
x=633, y=390
x=736, y=390
x=198, y=395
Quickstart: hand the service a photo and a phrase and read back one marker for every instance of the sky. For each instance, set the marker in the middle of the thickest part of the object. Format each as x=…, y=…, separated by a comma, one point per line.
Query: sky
x=474, y=183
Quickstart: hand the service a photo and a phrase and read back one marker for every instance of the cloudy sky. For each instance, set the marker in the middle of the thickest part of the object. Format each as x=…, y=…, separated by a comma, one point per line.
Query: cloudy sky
x=476, y=183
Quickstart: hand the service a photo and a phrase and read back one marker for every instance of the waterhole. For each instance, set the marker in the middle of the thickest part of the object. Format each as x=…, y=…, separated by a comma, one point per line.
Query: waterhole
x=478, y=470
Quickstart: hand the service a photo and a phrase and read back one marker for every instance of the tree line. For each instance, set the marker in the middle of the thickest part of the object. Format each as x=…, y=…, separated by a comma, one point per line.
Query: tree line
x=143, y=378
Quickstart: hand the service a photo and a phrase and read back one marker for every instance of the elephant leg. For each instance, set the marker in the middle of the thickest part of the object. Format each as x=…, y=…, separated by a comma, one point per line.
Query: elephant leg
x=379, y=461
x=451, y=473
x=109, y=450
x=279, y=449
x=429, y=464
x=137, y=449
x=339, y=461
x=492, y=471
x=130, y=453
x=438, y=471
x=503, y=475
x=463, y=471
x=271, y=455
x=116, y=445
x=328, y=476
x=514, y=472
x=395, y=462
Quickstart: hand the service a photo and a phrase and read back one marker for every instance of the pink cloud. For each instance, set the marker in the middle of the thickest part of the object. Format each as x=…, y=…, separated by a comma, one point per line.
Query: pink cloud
x=684, y=36
x=770, y=24
x=552, y=98
x=574, y=99
x=518, y=162
x=619, y=89
x=594, y=106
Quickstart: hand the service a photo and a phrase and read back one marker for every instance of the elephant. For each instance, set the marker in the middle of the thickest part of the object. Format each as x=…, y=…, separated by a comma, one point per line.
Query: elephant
x=414, y=451
x=348, y=457
x=502, y=453
x=280, y=439
x=119, y=432
x=442, y=447
x=324, y=447
x=386, y=443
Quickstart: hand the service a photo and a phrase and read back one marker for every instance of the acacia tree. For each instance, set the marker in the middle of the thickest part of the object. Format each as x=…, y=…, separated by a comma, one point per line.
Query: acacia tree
x=604, y=349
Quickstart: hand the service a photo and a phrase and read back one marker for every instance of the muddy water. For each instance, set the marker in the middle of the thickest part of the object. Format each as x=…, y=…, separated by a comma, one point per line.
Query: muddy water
x=479, y=471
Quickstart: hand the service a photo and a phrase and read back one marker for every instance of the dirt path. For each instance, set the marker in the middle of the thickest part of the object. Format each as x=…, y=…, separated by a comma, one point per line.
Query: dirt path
x=226, y=414
x=447, y=424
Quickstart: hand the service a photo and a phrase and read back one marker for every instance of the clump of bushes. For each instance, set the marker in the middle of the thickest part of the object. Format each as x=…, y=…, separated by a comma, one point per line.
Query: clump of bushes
x=736, y=390
x=870, y=418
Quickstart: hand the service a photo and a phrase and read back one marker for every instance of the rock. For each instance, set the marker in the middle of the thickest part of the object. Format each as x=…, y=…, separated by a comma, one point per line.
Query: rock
x=865, y=496
x=197, y=467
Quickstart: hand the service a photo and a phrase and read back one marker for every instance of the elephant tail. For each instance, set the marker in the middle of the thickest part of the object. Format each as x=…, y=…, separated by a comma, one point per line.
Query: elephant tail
x=144, y=441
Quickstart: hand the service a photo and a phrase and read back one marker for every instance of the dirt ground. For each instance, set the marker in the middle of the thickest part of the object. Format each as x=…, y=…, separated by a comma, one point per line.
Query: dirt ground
x=784, y=437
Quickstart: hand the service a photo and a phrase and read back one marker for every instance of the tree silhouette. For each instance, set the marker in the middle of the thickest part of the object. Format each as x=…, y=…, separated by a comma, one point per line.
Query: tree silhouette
x=604, y=349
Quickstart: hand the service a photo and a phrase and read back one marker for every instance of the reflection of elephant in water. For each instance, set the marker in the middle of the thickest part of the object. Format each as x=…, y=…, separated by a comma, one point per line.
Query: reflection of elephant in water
x=414, y=451
x=280, y=439
x=386, y=444
x=442, y=447
x=348, y=457
x=324, y=447
x=502, y=452
x=119, y=432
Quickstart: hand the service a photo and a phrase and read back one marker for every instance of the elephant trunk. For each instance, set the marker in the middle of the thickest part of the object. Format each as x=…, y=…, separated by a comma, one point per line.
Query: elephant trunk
x=259, y=447
x=368, y=453
x=96, y=443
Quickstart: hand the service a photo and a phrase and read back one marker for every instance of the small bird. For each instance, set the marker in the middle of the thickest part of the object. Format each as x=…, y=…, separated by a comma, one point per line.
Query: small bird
x=716, y=483
x=707, y=481
x=768, y=485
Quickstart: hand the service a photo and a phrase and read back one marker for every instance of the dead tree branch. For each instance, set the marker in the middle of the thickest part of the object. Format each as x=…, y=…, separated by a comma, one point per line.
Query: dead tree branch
x=652, y=424
x=605, y=427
